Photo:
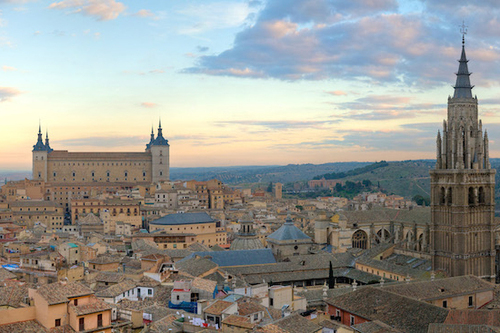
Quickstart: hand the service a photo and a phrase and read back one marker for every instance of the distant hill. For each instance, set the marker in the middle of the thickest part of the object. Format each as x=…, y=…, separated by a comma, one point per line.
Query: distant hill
x=406, y=178
x=263, y=174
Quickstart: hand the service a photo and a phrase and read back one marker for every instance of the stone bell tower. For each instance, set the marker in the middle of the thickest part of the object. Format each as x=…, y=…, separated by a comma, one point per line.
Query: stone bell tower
x=462, y=188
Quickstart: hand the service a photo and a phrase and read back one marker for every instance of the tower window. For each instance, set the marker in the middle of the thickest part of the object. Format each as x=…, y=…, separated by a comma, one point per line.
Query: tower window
x=107, y=173
x=481, y=195
x=55, y=174
x=144, y=173
x=93, y=173
x=73, y=173
x=161, y=173
x=450, y=196
x=442, y=196
x=471, y=196
x=126, y=174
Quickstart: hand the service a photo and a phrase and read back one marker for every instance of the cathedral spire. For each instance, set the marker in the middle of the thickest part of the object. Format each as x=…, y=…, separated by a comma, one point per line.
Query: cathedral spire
x=463, y=88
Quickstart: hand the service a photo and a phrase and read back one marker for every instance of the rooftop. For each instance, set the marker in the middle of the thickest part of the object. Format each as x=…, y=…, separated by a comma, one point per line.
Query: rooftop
x=400, y=312
x=288, y=231
x=60, y=292
x=183, y=218
x=237, y=257
x=217, y=307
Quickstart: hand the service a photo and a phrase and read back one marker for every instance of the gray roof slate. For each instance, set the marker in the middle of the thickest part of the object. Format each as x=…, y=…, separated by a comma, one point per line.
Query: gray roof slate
x=237, y=258
x=288, y=231
x=183, y=218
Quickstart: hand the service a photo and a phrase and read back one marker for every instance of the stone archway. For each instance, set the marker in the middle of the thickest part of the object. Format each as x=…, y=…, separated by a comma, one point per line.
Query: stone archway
x=360, y=240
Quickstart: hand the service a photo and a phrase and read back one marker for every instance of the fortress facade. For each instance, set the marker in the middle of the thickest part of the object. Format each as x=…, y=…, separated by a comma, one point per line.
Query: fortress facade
x=62, y=166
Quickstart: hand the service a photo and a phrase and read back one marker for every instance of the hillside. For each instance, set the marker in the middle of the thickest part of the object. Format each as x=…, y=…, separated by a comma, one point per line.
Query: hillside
x=263, y=174
x=406, y=178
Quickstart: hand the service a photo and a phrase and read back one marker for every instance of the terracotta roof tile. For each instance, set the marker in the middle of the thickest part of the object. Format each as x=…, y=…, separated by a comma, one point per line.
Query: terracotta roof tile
x=217, y=307
x=239, y=321
x=95, y=305
x=59, y=292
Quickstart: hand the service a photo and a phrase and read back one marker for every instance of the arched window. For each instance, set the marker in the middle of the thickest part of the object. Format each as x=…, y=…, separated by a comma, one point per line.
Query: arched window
x=107, y=173
x=471, y=196
x=442, y=197
x=482, y=198
x=450, y=196
x=360, y=240
x=381, y=238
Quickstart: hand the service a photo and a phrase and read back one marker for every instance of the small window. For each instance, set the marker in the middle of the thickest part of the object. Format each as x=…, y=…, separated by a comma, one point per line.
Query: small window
x=99, y=320
x=352, y=320
x=58, y=322
x=150, y=291
x=471, y=301
x=81, y=325
x=75, y=302
x=445, y=304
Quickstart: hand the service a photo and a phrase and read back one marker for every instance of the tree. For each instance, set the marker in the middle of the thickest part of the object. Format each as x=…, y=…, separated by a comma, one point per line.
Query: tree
x=421, y=201
x=367, y=183
x=331, y=280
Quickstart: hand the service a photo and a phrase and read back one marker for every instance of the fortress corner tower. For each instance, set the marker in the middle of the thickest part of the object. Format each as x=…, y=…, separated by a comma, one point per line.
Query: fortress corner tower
x=462, y=188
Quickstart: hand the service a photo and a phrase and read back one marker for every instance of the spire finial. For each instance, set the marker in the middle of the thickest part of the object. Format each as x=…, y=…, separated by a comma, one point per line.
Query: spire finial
x=463, y=31
x=159, y=122
x=39, y=126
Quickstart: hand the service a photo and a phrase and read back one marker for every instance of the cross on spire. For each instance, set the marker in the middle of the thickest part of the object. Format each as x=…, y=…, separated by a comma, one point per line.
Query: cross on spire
x=463, y=31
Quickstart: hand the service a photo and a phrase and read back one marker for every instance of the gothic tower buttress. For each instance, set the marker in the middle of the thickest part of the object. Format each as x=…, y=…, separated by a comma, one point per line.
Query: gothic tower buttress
x=462, y=188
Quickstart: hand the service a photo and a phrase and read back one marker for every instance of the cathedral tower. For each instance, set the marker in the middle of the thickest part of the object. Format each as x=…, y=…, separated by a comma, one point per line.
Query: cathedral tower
x=462, y=188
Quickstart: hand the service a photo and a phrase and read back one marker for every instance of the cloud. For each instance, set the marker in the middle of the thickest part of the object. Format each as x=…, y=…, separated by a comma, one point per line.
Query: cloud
x=337, y=93
x=202, y=48
x=9, y=69
x=149, y=104
x=216, y=15
x=102, y=10
x=278, y=124
x=368, y=41
x=146, y=13
x=386, y=107
x=6, y=93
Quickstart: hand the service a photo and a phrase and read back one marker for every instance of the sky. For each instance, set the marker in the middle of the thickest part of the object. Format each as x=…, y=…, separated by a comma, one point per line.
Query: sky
x=245, y=82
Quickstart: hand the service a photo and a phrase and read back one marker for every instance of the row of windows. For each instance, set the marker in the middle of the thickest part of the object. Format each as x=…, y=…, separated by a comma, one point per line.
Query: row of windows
x=108, y=173
x=476, y=196
x=99, y=163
